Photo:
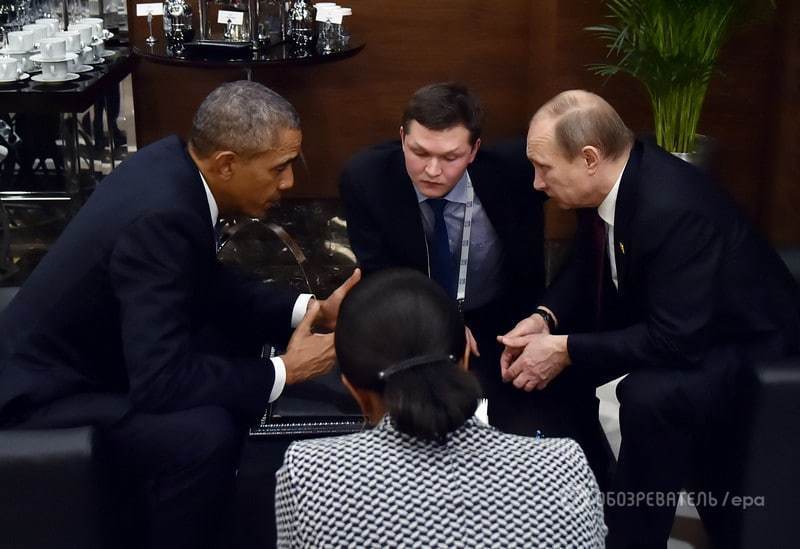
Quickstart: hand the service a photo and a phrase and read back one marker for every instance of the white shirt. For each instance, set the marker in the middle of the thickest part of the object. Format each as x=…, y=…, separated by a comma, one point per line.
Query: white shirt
x=298, y=312
x=606, y=211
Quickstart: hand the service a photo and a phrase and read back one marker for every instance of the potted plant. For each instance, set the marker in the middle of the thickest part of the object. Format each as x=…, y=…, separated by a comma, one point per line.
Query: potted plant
x=671, y=46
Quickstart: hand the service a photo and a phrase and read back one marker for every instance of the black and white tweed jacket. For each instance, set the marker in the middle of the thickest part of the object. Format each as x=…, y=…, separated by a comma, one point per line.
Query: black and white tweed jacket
x=481, y=488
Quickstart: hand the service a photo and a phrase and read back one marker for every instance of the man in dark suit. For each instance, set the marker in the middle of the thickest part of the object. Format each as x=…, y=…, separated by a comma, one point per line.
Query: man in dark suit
x=132, y=324
x=667, y=283
x=392, y=193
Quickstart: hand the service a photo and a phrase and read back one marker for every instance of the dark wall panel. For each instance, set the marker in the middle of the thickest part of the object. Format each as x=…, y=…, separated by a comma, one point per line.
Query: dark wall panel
x=515, y=54
x=349, y=104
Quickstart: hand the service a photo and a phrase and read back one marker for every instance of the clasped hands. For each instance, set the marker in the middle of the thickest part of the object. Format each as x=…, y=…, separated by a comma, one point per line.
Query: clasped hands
x=311, y=354
x=532, y=357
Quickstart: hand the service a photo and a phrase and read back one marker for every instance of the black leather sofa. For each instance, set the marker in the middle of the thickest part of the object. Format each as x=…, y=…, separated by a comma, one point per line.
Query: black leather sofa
x=54, y=487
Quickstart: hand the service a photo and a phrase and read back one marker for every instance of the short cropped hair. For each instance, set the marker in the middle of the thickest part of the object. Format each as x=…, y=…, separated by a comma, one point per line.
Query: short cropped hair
x=584, y=118
x=244, y=117
x=443, y=106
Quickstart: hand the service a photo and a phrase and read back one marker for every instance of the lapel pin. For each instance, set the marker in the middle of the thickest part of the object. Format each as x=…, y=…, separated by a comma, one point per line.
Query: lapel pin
x=622, y=248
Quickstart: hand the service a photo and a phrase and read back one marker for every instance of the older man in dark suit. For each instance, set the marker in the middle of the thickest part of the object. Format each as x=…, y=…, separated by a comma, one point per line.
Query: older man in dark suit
x=667, y=283
x=114, y=327
x=467, y=216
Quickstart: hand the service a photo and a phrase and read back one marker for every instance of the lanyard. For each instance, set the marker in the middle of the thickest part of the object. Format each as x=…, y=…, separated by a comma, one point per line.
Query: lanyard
x=465, y=235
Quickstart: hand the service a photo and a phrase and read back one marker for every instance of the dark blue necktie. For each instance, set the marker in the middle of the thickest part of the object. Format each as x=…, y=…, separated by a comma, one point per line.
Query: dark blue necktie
x=442, y=265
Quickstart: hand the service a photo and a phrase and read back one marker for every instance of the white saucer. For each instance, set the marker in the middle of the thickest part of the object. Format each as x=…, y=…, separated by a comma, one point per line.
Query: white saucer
x=108, y=53
x=96, y=61
x=68, y=57
x=83, y=68
x=23, y=76
x=67, y=78
x=8, y=51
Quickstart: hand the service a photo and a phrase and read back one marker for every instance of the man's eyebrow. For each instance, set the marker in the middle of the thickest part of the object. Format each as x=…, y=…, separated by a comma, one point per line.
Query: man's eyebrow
x=418, y=147
x=288, y=161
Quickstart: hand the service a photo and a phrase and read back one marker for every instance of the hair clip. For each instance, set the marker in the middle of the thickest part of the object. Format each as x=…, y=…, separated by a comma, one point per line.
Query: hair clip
x=411, y=362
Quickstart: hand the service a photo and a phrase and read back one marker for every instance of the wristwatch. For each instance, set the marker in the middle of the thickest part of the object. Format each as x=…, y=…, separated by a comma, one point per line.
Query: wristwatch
x=548, y=318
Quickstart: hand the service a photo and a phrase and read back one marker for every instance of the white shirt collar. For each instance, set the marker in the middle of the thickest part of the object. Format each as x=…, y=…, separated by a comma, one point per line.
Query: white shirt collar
x=457, y=194
x=212, y=204
x=608, y=206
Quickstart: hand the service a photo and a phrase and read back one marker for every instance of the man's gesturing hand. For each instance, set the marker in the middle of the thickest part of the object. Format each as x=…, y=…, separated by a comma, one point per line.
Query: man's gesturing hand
x=518, y=337
x=308, y=355
x=329, y=308
x=543, y=357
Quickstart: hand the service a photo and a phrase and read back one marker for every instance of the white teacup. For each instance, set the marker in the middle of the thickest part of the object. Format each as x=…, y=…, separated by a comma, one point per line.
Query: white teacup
x=53, y=48
x=98, y=47
x=9, y=68
x=97, y=26
x=23, y=59
x=20, y=40
x=54, y=70
x=73, y=39
x=86, y=33
x=39, y=32
x=51, y=23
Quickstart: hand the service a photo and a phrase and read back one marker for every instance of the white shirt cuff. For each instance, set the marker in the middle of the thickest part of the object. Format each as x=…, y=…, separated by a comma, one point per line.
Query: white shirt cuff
x=280, y=378
x=299, y=310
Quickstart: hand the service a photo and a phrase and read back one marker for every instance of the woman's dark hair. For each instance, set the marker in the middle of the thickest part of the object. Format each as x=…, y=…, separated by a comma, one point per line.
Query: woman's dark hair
x=392, y=319
x=443, y=106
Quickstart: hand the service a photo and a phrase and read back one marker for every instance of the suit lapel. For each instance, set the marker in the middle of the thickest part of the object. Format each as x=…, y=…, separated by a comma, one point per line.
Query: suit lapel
x=198, y=193
x=624, y=212
x=491, y=201
x=405, y=216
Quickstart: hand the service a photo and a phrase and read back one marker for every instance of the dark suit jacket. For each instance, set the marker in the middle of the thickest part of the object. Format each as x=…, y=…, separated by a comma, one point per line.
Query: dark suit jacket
x=385, y=226
x=112, y=315
x=693, y=277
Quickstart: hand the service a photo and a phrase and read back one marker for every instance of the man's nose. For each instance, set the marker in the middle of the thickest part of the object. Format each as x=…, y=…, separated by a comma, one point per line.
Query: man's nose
x=538, y=183
x=433, y=168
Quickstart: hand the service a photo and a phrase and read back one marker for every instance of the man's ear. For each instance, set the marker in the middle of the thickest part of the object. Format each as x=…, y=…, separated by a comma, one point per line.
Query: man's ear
x=223, y=164
x=402, y=135
x=591, y=158
x=474, y=150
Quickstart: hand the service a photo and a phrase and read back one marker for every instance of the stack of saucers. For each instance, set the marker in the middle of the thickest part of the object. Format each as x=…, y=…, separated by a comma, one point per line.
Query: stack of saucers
x=53, y=24
x=39, y=32
x=74, y=42
x=55, y=61
x=11, y=71
x=20, y=47
x=87, y=39
x=99, y=36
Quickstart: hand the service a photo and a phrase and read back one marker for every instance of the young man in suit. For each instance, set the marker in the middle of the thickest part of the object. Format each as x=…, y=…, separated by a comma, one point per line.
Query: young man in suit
x=467, y=216
x=115, y=325
x=669, y=284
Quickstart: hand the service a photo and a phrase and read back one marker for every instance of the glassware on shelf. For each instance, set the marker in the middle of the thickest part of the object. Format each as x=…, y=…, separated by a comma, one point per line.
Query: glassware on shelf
x=270, y=22
x=301, y=23
x=331, y=35
x=177, y=23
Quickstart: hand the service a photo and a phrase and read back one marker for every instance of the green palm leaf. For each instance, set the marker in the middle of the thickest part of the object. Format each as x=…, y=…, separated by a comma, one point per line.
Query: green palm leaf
x=671, y=46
